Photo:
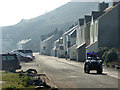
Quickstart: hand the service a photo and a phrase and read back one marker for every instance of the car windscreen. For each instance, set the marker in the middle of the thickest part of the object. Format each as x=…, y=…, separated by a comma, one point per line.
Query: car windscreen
x=4, y=57
x=28, y=51
x=9, y=57
x=22, y=51
x=93, y=58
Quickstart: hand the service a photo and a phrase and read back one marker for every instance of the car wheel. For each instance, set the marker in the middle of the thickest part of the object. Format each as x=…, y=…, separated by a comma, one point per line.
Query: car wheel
x=84, y=70
x=87, y=69
x=99, y=71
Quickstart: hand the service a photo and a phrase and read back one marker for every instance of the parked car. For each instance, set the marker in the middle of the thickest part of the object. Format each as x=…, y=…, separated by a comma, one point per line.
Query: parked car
x=93, y=63
x=24, y=55
x=10, y=61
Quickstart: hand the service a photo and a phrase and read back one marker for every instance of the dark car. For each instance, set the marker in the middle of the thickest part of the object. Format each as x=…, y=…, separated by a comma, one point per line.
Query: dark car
x=27, y=52
x=24, y=55
x=93, y=63
x=10, y=61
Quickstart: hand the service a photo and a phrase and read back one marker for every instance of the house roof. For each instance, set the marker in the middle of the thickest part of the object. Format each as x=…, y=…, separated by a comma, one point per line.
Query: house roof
x=48, y=38
x=56, y=41
x=54, y=48
x=70, y=30
x=61, y=37
x=73, y=33
x=81, y=21
x=80, y=45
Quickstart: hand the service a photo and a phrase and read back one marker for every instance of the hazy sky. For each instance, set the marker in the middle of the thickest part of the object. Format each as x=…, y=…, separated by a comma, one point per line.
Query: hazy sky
x=12, y=11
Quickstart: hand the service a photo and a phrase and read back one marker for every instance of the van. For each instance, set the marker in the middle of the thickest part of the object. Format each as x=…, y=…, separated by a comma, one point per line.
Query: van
x=10, y=61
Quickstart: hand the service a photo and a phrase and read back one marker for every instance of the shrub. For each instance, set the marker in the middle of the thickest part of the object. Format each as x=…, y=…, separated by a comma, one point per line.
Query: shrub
x=101, y=51
x=11, y=88
x=27, y=81
x=111, y=55
x=104, y=55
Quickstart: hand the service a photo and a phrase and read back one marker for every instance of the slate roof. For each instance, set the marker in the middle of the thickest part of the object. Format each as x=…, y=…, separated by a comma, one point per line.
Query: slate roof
x=70, y=30
x=48, y=38
x=73, y=33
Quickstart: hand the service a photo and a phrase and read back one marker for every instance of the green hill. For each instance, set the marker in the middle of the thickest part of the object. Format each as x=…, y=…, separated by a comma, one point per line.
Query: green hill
x=61, y=18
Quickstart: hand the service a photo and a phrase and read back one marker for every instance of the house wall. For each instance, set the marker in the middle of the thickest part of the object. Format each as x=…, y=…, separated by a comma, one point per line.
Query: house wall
x=81, y=53
x=49, y=44
x=60, y=52
x=80, y=35
x=52, y=52
x=64, y=42
x=93, y=31
x=73, y=41
x=87, y=34
x=73, y=52
x=92, y=47
x=119, y=30
x=108, y=29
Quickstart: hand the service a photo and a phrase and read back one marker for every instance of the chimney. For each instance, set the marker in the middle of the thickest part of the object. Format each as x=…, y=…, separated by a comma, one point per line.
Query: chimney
x=115, y=2
x=81, y=21
x=102, y=6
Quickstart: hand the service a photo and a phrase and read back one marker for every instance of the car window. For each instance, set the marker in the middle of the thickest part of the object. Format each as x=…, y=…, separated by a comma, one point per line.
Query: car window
x=4, y=58
x=22, y=51
x=9, y=57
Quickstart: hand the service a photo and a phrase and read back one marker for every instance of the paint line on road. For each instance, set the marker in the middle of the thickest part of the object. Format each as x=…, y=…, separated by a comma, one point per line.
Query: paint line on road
x=73, y=76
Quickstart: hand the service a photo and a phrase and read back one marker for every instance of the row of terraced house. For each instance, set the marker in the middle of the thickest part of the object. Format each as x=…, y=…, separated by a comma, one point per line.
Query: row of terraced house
x=100, y=29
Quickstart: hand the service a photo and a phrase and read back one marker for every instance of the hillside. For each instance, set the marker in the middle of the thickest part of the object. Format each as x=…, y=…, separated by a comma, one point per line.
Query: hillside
x=61, y=18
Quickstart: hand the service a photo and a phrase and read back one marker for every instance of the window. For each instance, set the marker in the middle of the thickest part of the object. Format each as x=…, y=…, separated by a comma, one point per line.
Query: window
x=10, y=57
x=61, y=47
x=22, y=51
x=44, y=48
x=69, y=44
x=60, y=41
x=28, y=51
x=4, y=58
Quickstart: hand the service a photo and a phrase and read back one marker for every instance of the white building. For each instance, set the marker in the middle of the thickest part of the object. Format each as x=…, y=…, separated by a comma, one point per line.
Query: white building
x=66, y=39
x=54, y=50
x=46, y=45
x=72, y=44
x=61, y=52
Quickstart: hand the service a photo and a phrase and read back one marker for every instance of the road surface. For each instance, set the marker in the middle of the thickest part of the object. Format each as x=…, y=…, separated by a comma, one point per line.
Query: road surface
x=69, y=74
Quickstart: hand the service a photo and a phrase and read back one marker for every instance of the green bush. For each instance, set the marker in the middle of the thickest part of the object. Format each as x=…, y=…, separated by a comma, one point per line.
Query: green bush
x=10, y=88
x=104, y=55
x=101, y=51
x=27, y=81
x=111, y=55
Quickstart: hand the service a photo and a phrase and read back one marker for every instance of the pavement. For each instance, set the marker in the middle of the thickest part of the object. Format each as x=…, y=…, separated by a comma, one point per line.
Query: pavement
x=69, y=74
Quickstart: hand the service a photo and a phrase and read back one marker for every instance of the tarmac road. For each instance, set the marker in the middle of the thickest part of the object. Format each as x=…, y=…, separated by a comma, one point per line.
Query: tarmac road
x=69, y=74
